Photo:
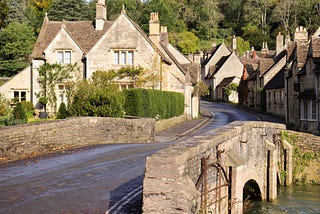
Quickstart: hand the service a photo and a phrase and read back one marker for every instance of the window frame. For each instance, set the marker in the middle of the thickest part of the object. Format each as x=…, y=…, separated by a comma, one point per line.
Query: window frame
x=62, y=57
x=123, y=57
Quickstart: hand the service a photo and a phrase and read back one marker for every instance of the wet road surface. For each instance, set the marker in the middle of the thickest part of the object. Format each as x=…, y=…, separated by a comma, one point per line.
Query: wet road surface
x=90, y=180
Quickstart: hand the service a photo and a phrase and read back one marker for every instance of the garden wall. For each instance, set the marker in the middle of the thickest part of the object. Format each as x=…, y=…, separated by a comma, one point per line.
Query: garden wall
x=26, y=140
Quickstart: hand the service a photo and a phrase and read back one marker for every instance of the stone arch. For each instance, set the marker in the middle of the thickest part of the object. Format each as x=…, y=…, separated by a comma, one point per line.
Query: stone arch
x=251, y=192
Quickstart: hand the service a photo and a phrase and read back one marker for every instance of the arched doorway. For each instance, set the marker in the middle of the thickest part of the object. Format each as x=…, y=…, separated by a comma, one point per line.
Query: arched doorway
x=251, y=192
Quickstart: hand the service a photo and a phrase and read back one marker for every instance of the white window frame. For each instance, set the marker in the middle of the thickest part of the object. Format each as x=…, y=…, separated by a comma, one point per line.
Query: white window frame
x=20, y=98
x=64, y=57
x=123, y=57
x=308, y=110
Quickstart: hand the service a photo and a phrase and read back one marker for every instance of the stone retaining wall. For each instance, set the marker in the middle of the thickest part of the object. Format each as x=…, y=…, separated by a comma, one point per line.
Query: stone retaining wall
x=171, y=174
x=22, y=141
x=306, y=157
x=167, y=123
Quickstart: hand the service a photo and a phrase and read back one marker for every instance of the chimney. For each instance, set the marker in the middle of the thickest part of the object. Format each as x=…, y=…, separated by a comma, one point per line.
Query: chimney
x=301, y=34
x=164, y=34
x=279, y=43
x=234, y=43
x=154, y=27
x=287, y=41
x=101, y=14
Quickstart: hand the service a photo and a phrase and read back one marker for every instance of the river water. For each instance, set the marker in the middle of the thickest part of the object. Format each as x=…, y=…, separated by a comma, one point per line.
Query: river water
x=294, y=199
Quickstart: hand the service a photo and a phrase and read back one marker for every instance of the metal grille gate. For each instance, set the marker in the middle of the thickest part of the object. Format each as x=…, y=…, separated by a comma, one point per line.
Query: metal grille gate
x=204, y=185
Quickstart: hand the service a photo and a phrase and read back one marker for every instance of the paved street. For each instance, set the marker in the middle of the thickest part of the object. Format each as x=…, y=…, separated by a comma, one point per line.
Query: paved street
x=98, y=178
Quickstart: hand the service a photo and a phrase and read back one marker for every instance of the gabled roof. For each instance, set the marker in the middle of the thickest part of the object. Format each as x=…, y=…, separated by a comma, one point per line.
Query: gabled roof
x=82, y=32
x=265, y=65
x=146, y=37
x=208, y=55
x=277, y=82
x=226, y=81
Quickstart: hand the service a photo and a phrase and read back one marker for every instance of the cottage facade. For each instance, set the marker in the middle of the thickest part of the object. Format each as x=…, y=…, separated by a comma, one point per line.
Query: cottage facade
x=220, y=68
x=110, y=45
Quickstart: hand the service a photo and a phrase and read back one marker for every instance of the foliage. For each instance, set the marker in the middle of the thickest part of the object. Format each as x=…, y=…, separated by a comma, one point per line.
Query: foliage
x=153, y=103
x=49, y=76
x=230, y=88
x=140, y=77
x=4, y=106
x=3, y=12
x=70, y=10
x=62, y=112
x=16, y=43
x=201, y=89
x=97, y=96
x=19, y=114
x=28, y=108
x=186, y=42
x=242, y=45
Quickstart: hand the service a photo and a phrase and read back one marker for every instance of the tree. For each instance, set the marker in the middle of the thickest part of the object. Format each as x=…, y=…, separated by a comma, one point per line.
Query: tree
x=16, y=10
x=35, y=13
x=16, y=43
x=140, y=77
x=186, y=42
x=3, y=13
x=49, y=76
x=242, y=45
x=62, y=112
x=70, y=10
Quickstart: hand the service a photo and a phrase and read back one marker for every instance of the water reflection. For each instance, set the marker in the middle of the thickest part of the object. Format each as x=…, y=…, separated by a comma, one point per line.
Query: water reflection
x=300, y=199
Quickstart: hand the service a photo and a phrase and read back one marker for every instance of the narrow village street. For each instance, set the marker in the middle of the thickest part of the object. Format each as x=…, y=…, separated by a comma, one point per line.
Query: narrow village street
x=95, y=179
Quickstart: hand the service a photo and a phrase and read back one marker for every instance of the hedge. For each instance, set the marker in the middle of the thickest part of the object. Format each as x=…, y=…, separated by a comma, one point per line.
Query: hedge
x=153, y=103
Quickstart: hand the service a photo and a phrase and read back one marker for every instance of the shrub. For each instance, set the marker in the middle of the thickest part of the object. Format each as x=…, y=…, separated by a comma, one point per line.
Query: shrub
x=19, y=114
x=28, y=108
x=62, y=112
x=97, y=97
x=153, y=103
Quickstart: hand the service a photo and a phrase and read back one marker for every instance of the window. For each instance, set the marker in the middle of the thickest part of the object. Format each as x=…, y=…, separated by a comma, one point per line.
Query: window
x=20, y=96
x=123, y=57
x=308, y=110
x=64, y=57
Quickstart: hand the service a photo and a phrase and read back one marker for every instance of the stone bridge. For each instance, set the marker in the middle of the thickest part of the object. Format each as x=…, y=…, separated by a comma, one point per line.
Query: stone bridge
x=219, y=172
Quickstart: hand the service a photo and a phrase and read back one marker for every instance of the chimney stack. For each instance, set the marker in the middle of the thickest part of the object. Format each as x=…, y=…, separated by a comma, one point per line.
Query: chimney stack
x=164, y=34
x=101, y=14
x=301, y=34
x=279, y=43
x=154, y=27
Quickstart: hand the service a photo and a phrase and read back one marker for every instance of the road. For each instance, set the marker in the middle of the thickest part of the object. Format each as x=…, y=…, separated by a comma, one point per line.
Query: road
x=90, y=180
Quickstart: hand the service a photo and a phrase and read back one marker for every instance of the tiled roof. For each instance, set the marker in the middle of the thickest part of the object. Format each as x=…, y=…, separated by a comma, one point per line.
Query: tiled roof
x=277, y=81
x=226, y=81
x=265, y=64
x=82, y=32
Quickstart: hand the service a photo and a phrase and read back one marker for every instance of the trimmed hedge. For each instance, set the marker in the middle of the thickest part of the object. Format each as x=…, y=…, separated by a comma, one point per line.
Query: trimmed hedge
x=153, y=103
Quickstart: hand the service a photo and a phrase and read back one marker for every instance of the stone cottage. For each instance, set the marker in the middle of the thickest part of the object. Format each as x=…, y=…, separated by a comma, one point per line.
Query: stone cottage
x=106, y=45
x=302, y=82
x=220, y=68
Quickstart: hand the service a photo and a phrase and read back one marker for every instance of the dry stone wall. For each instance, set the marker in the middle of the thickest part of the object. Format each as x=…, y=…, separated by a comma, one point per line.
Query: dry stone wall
x=28, y=140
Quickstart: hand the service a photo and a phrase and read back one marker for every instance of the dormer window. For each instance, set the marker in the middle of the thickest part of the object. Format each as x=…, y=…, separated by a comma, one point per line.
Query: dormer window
x=64, y=57
x=123, y=57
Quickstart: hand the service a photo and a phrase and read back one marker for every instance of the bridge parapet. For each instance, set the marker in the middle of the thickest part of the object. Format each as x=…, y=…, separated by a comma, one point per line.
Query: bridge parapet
x=209, y=173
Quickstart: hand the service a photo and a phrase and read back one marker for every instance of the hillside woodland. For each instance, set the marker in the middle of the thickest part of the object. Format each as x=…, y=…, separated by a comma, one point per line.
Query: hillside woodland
x=193, y=25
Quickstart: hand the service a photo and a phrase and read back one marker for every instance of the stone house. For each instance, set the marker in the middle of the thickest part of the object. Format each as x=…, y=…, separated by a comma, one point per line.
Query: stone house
x=110, y=45
x=219, y=68
x=296, y=61
x=302, y=81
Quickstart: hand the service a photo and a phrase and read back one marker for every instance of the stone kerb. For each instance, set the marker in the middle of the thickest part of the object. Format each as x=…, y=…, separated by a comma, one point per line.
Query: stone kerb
x=171, y=174
x=22, y=141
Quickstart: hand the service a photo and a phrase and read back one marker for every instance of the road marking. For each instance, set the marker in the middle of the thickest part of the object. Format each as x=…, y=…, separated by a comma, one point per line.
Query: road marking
x=118, y=206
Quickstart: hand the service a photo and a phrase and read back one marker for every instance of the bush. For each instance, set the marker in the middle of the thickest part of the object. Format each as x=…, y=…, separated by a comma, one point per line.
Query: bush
x=62, y=112
x=28, y=108
x=153, y=103
x=97, y=97
x=19, y=114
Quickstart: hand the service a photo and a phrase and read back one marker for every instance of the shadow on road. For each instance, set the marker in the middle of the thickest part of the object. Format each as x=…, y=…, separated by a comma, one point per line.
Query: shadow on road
x=132, y=202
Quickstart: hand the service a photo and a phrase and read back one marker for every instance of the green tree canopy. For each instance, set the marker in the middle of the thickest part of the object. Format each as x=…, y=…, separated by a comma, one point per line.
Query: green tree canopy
x=186, y=42
x=16, y=43
x=70, y=10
